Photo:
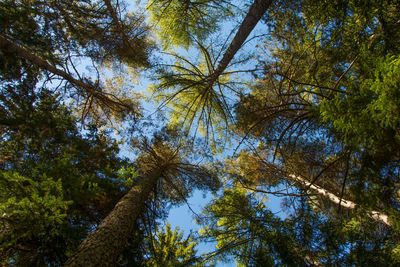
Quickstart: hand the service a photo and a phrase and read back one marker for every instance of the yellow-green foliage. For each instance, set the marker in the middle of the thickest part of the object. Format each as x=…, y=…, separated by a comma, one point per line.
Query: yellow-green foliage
x=179, y=22
x=171, y=249
x=29, y=208
x=396, y=254
x=127, y=175
x=195, y=102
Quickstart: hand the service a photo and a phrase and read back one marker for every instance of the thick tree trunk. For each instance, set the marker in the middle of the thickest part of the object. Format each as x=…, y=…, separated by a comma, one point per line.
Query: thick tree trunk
x=103, y=246
x=376, y=215
x=90, y=90
x=254, y=15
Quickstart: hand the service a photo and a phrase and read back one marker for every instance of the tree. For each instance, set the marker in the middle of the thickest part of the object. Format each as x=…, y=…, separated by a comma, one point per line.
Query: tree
x=56, y=182
x=243, y=226
x=255, y=13
x=161, y=163
x=254, y=172
x=89, y=91
x=198, y=91
x=65, y=32
x=246, y=229
x=31, y=210
x=105, y=244
x=320, y=54
x=316, y=125
x=168, y=248
x=184, y=88
x=186, y=22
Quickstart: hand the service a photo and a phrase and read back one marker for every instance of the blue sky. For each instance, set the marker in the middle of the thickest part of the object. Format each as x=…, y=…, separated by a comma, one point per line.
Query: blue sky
x=182, y=216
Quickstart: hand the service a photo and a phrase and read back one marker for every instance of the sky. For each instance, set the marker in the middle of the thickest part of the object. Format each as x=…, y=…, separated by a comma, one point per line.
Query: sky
x=182, y=216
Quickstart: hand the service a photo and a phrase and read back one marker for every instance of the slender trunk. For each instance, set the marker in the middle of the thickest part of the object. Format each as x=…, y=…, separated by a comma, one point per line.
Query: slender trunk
x=103, y=246
x=254, y=15
x=376, y=215
x=90, y=90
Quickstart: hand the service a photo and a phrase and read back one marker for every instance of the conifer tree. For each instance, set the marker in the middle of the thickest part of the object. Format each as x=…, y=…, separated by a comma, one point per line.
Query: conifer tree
x=163, y=168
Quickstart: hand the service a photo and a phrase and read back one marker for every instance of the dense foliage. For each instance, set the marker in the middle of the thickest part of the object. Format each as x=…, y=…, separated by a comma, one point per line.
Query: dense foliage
x=303, y=108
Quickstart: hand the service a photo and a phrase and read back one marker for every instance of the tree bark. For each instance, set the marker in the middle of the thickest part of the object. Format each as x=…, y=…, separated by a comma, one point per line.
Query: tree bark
x=103, y=246
x=254, y=15
x=376, y=215
x=91, y=90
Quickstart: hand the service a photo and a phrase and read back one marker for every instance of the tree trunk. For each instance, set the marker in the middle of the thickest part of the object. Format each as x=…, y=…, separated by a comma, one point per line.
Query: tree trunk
x=89, y=89
x=254, y=15
x=376, y=215
x=103, y=246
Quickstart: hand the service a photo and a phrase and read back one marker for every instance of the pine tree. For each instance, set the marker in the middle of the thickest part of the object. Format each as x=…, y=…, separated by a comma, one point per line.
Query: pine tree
x=160, y=164
x=56, y=182
x=183, y=23
x=57, y=34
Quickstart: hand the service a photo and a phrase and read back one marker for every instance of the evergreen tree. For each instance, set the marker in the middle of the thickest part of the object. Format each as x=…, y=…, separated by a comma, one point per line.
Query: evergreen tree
x=170, y=249
x=310, y=108
x=186, y=22
x=160, y=164
x=200, y=91
x=244, y=227
x=56, y=34
x=317, y=126
x=56, y=182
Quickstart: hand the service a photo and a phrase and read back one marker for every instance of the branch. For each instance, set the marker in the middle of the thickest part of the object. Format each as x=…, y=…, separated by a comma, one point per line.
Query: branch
x=89, y=89
x=257, y=10
x=376, y=215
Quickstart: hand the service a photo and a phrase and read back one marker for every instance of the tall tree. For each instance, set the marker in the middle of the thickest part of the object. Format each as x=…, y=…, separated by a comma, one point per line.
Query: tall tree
x=319, y=128
x=161, y=164
x=199, y=91
x=321, y=82
x=253, y=16
x=56, y=182
x=65, y=32
x=244, y=228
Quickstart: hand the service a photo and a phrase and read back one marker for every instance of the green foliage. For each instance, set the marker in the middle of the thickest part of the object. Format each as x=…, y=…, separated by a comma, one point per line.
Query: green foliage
x=29, y=209
x=57, y=182
x=127, y=174
x=323, y=110
x=61, y=33
x=326, y=109
x=169, y=248
x=367, y=114
x=246, y=229
x=196, y=103
x=181, y=23
x=54, y=27
x=396, y=254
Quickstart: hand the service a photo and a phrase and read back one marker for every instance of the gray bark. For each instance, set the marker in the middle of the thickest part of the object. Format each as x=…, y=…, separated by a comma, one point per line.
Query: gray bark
x=103, y=246
x=376, y=215
x=254, y=15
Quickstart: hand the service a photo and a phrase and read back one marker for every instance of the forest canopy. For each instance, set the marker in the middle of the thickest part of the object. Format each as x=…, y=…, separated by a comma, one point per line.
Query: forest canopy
x=112, y=113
